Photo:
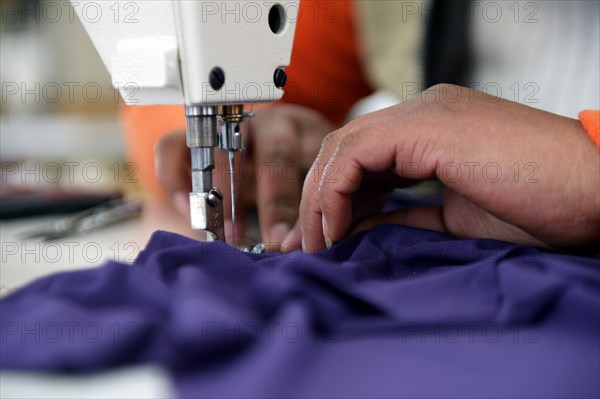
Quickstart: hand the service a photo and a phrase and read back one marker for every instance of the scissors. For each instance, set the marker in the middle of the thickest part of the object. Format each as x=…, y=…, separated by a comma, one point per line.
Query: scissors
x=112, y=212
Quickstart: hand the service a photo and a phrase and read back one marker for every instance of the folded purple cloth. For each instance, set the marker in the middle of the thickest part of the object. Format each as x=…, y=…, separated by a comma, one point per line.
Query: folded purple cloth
x=396, y=312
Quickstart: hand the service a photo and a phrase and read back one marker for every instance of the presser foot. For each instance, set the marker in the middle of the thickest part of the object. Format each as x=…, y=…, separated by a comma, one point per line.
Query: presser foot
x=206, y=212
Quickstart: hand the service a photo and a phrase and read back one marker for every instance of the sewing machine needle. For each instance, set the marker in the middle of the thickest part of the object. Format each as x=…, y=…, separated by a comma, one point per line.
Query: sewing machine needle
x=232, y=187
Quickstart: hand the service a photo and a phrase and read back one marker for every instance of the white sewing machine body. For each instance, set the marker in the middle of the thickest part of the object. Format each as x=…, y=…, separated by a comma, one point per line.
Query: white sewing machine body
x=163, y=51
x=212, y=56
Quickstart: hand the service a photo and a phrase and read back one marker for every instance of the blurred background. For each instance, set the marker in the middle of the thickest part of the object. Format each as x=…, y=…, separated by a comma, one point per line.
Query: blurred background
x=61, y=149
x=58, y=115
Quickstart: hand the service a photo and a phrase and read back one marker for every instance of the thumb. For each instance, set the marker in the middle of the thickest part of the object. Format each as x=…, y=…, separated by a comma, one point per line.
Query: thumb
x=172, y=170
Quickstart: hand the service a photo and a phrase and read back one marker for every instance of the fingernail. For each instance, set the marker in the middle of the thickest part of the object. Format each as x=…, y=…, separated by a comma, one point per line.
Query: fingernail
x=287, y=247
x=279, y=232
x=328, y=240
x=181, y=201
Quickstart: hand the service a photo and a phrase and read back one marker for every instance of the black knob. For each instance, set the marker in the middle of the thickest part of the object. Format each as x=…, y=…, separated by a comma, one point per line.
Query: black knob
x=216, y=78
x=279, y=78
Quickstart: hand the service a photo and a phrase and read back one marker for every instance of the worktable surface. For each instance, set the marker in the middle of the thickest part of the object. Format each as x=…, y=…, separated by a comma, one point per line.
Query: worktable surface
x=26, y=260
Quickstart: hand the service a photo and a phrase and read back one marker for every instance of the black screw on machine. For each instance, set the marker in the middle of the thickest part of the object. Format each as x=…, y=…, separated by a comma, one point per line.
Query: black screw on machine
x=216, y=78
x=279, y=78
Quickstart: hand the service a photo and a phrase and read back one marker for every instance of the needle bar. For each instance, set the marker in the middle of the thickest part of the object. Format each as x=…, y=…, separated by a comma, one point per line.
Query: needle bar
x=232, y=186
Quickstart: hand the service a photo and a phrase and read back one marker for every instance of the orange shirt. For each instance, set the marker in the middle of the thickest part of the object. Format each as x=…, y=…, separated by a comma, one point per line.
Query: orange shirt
x=325, y=74
x=591, y=123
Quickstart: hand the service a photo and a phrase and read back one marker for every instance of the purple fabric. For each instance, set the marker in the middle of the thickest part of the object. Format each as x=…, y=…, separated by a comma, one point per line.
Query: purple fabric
x=396, y=312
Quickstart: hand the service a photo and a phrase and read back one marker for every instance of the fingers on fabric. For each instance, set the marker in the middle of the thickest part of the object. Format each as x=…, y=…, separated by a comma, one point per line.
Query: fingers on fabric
x=277, y=154
x=326, y=208
x=374, y=144
x=293, y=240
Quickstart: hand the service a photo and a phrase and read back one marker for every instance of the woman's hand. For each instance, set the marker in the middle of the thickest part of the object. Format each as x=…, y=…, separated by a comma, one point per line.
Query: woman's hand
x=511, y=172
x=282, y=141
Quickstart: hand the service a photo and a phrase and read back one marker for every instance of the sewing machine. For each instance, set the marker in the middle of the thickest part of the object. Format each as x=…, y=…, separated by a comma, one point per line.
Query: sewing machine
x=212, y=56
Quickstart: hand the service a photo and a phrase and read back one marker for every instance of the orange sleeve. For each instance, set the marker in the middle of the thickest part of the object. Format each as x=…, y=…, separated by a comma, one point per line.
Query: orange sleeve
x=325, y=74
x=591, y=123
x=143, y=127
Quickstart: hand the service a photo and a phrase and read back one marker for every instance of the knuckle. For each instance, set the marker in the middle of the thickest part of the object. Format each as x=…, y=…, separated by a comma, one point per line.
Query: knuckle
x=282, y=208
x=280, y=151
x=160, y=147
x=348, y=139
x=168, y=160
x=445, y=97
x=357, y=123
x=279, y=203
x=439, y=87
x=280, y=145
x=161, y=176
x=328, y=139
x=168, y=142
